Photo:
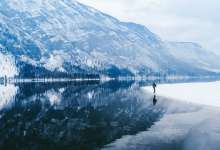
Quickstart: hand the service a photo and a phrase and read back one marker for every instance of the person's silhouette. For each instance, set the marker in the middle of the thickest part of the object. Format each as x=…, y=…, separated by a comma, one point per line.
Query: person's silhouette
x=154, y=87
x=154, y=100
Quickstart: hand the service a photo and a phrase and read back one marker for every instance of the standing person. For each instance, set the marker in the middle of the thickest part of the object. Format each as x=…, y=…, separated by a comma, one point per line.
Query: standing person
x=154, y=87
x=5, y=80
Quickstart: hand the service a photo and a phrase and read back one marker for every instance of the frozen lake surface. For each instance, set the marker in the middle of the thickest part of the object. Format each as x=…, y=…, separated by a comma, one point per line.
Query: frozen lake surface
x=206, y=93
x=184, y=125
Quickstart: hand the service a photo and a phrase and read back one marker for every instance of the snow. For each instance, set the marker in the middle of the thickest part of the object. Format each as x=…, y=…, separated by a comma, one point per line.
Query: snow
x=193, y=53
x=7, y=65
x=56, y=61
x=28, y=60
x=69, y=26
x=199, y=93
x=79, y=23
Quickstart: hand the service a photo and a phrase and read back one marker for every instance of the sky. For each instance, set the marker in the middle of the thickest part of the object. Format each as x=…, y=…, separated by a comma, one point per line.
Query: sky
x=173, y=20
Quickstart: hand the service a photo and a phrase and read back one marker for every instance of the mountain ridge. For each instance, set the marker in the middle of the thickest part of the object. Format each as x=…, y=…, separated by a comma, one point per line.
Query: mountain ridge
x=70, y=37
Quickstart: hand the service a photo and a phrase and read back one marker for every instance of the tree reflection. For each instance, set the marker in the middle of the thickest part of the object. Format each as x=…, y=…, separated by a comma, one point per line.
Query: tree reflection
x=74, y=116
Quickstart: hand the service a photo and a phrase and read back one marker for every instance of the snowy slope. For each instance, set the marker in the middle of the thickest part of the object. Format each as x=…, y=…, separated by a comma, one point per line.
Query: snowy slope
x=66, y=36
x=193, y=53
x=7, y=66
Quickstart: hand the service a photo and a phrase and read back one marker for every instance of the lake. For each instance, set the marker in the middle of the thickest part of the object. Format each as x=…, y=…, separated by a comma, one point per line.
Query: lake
x=114, y=115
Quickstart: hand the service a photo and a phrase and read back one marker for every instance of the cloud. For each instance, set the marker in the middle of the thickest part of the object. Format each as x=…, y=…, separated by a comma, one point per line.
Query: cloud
x=174, y=20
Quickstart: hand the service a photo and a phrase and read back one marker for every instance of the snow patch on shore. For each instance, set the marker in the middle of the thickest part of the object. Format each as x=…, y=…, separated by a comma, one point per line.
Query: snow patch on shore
x=198, y=93
x=7, y=66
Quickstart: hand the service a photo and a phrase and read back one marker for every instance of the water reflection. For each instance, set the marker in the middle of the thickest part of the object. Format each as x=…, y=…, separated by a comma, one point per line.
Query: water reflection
x=7, y=94
x=154, y=100
x=73, y=116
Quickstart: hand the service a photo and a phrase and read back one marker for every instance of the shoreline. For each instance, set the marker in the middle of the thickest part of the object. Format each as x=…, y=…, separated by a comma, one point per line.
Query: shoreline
x=166, y=79
x=199, y=93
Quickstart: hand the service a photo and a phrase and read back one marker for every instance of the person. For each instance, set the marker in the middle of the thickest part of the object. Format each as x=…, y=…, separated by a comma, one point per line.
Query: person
x=5, y=80
x=154, y=100
x=154, y=87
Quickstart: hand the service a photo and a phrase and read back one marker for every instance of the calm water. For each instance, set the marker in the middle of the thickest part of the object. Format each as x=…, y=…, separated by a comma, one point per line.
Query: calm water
x=90, y=116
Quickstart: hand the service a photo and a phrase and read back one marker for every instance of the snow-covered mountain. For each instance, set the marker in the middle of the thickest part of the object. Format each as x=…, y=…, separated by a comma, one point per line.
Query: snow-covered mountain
x=194, y=54
x=68, y=37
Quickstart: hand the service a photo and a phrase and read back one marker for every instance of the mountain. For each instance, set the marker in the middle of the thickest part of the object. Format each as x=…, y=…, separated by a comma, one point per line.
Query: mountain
x=67, y=37
x=194, y=54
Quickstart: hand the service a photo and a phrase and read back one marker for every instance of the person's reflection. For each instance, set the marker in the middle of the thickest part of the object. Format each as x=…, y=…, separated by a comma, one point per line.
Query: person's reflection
x=154, y=100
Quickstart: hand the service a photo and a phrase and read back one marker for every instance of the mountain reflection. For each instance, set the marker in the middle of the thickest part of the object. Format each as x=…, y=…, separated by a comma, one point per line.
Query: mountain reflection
x=85, y=115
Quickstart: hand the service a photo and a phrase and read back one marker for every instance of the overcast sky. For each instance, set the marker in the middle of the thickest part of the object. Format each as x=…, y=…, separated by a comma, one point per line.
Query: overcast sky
x=174, y=20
